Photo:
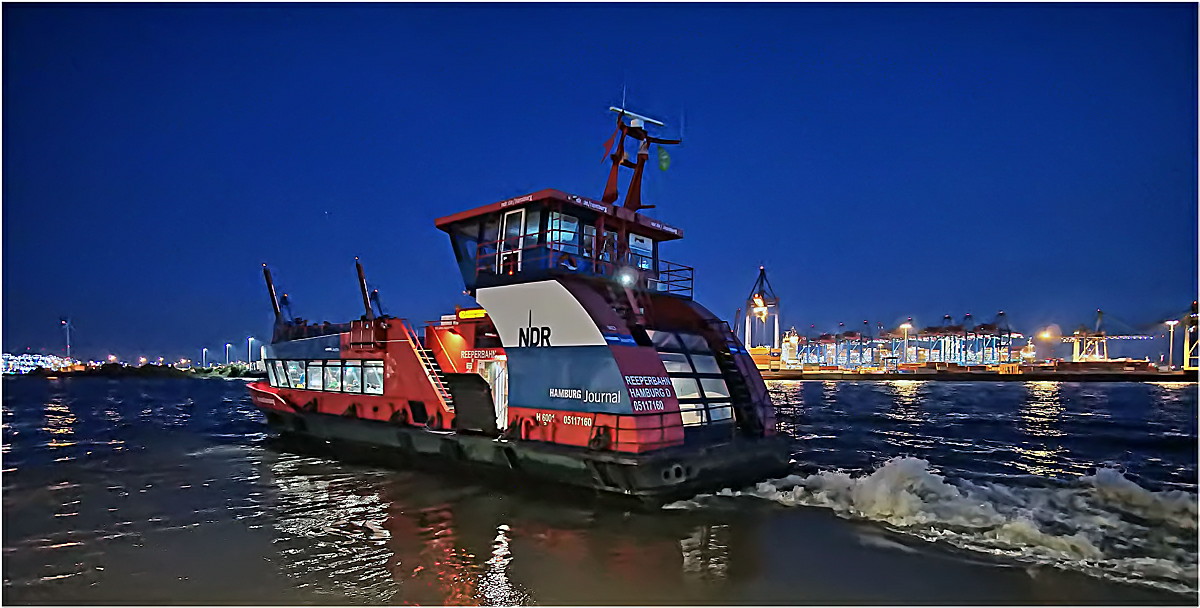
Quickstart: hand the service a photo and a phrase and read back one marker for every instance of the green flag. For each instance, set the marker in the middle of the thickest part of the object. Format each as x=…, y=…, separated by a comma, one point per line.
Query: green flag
x=664, y=159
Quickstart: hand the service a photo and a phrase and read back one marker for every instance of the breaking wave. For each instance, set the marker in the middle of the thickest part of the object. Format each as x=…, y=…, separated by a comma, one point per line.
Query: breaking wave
x=1102, y=524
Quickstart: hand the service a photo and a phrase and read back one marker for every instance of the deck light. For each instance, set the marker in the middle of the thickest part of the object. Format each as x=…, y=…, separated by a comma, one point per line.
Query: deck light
x=626, y=277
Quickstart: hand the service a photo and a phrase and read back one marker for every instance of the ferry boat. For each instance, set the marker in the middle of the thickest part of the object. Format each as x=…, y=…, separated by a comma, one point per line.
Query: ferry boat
x=586, y=361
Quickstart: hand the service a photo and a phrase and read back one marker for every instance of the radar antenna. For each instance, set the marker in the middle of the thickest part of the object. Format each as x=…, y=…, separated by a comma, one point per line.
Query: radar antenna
x=637, y=130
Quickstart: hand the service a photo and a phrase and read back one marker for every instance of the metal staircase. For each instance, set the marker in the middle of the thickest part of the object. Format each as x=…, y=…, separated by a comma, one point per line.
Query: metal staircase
x=429, y=363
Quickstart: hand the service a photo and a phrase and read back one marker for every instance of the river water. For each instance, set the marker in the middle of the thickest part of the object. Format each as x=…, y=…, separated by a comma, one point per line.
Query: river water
x=171, y=491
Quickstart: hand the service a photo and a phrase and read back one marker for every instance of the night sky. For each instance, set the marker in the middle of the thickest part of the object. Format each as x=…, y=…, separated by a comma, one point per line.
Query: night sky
x=883, y=161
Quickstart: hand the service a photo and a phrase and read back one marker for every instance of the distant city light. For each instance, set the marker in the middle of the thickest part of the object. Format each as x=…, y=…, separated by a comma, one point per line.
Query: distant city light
x=27, y=362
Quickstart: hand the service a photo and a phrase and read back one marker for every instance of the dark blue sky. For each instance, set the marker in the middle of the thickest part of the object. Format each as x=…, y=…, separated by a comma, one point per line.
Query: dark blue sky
x=882, y=160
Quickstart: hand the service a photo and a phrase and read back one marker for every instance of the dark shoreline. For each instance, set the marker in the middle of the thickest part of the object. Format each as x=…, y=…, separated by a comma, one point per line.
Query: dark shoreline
x=114, y=370
x=1177, y=376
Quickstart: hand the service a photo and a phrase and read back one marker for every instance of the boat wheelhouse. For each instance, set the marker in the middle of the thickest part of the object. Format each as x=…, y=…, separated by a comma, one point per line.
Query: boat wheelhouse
x=586, y=362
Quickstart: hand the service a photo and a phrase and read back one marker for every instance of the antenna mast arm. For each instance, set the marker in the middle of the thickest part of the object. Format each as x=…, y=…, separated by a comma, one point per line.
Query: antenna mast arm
x=271, y=292
x=362, y=286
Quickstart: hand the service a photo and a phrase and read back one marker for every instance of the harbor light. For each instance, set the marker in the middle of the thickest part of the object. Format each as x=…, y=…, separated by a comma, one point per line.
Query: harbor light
x=905, y=326
x=141, y=360
x=1171, y=343
x=112, y=358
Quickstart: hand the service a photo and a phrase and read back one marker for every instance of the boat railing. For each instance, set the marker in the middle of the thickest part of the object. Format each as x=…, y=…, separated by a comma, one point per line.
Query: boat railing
x=299, y=329
x=502, y=261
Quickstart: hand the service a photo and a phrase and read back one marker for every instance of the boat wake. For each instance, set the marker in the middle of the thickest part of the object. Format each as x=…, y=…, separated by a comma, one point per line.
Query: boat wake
x=1102, y=524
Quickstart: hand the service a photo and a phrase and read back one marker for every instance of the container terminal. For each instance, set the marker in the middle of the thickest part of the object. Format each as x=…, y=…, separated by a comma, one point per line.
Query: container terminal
x=965, y=349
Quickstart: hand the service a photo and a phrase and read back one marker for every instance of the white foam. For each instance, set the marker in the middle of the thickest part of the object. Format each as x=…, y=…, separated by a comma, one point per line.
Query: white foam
x=1173, y=506
x=1085, y=524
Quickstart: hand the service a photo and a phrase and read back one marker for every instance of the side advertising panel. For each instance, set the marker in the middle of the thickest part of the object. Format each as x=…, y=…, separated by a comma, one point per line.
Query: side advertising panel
x=572, y=378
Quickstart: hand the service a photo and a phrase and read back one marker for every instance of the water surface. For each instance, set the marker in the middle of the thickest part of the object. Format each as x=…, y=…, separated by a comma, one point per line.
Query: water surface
x=171, y=491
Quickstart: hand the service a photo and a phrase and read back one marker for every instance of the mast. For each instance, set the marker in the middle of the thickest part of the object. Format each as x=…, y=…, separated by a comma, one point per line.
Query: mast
x=637, y=130
x=362, y=287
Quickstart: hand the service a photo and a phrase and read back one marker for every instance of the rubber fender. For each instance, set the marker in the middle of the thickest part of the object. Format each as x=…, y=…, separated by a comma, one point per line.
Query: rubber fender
x=434, y=423
x=601, y=438
x=527, y=424
x=400, y=415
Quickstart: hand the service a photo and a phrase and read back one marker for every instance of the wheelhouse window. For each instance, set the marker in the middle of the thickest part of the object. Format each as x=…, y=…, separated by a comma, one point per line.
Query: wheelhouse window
x=641, y=251
x=465, y=238
x=488, y=243
x=533, y=218
x=271, y=375
x=589, y=240
x=564, y=232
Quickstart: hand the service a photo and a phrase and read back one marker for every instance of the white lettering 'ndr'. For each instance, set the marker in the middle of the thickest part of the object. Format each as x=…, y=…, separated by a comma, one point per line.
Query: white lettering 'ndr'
x=523, y=310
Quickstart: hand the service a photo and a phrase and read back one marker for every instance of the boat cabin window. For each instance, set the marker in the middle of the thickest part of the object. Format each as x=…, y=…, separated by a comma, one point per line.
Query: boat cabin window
x=295, y=372
x=314, y=375
x=705, y=364
x=373, y=377
x=333, y=376
x=352, y=377
x=696, y=377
